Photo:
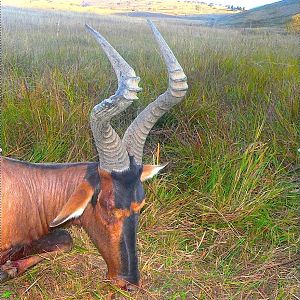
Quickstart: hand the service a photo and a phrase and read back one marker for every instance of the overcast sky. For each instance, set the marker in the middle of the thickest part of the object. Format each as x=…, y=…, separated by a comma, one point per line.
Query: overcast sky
x=246, y=3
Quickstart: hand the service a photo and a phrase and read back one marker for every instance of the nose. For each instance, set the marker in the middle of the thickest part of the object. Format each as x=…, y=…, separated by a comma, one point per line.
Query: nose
x=129, y=258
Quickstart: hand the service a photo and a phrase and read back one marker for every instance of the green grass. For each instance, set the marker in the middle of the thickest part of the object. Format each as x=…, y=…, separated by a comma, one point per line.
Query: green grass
x=222, y=221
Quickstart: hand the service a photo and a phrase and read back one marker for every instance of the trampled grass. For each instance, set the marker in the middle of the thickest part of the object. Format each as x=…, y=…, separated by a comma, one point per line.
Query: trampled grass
x=221, y=222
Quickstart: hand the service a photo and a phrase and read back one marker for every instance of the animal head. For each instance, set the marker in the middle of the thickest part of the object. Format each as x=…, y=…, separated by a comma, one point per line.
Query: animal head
x=111, y=196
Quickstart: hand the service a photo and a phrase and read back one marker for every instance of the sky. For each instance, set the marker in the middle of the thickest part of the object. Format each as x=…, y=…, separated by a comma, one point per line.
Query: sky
x=246, y=3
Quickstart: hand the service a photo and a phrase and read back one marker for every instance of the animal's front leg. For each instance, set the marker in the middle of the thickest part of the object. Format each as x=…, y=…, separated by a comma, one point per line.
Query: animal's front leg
x=23, y=258
x=12, y=269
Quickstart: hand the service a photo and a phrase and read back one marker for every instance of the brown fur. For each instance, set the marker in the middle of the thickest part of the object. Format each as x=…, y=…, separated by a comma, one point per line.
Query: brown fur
x=32, y=197
x=104, y=227
x=137, y=206
x=79, y=200
x=39, y=196
x=149, y=171
x=134, y=207
x=49, y=246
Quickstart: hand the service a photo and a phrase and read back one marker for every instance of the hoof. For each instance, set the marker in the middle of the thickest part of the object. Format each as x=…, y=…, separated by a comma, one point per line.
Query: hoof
x=9, y=269
x=3, y=276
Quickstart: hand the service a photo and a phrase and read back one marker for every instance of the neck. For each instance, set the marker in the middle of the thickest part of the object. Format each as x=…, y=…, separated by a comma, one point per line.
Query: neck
x=36, y=190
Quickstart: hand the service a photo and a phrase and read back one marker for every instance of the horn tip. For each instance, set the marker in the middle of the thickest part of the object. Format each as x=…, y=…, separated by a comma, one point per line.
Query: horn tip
x=90, y=29
x=151, y=24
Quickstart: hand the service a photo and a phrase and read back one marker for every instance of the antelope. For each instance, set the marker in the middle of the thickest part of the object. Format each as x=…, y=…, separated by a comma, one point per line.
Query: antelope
x=104, y=198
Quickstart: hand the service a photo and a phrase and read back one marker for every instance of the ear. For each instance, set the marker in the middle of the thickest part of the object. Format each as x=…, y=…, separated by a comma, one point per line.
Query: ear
x=75, y=205
x=150, y=170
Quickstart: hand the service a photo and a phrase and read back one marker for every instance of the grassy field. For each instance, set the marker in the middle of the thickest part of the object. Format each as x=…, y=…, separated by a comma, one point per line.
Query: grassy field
x=172, y=7
x=222, y=221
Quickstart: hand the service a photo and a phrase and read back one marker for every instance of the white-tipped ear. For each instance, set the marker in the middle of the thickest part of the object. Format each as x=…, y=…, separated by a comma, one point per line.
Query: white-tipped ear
x=150, y=170
x=75, y=205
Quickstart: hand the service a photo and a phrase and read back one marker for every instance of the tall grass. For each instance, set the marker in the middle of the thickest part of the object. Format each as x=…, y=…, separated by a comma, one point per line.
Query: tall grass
x=221, y=223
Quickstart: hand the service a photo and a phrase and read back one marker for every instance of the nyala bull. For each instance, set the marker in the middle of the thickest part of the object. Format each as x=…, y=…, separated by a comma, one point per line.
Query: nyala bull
x=105, y=197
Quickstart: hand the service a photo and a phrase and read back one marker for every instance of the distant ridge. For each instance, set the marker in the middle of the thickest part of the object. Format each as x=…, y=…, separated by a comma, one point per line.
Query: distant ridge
x=274, y=14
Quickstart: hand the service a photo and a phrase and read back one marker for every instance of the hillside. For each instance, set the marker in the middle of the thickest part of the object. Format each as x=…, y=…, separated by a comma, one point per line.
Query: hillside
x=169, y=7
x=274, y=14
x=294, y=24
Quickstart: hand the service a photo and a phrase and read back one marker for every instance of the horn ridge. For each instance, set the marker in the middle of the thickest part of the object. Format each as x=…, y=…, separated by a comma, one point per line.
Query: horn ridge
x=136, y=134
x=112, y=153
